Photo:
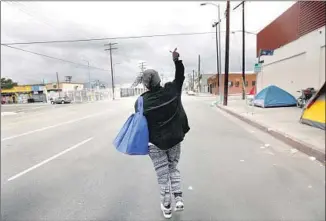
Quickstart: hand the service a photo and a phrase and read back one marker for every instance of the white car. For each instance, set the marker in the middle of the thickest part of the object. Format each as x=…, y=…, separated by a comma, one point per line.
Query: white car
x=191, y=93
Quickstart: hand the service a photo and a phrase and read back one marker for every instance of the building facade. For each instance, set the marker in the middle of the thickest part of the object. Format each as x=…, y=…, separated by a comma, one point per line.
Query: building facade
x=235, y=83
x=204, y=86
x=64, y=86
x=22, y=94
x=37, y=92
x=298, y=40
x=300, y=19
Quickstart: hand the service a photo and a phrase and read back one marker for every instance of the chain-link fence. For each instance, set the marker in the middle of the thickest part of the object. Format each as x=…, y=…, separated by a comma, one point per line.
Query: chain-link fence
x=128, y=92
x=86, y=95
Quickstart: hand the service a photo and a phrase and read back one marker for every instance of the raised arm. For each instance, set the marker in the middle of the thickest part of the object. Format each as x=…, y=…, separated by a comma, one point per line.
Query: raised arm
x=179, y=76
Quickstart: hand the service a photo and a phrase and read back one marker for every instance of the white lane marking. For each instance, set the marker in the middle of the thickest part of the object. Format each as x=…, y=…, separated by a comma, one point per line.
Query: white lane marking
x=49, y=159
x=7, y=113
x=241, y=160
x=33, y=108
x=190, y=188
x=52, y=126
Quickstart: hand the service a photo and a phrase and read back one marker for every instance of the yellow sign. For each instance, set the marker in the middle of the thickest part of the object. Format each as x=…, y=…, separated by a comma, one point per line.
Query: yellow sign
x=18, y=89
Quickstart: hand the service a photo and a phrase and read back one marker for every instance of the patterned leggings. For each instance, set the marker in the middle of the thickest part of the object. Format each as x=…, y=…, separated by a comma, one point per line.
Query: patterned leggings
x=168, y=176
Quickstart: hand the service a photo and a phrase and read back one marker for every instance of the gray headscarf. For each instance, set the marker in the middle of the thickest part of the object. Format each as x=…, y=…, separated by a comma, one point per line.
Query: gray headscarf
x=150, y=78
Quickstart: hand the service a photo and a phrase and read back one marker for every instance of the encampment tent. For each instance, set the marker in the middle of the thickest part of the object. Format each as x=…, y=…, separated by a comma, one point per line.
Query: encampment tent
x=273, y=96
x=313, y=113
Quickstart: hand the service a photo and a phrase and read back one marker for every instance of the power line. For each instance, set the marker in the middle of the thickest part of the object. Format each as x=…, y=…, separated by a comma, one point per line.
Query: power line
x=37, y=16
x=48, y=56
x=44, y=18
x=13, y=4
x=112, y=38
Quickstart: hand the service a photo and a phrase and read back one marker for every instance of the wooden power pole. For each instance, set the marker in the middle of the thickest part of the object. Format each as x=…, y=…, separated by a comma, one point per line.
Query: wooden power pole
x=58, y=83
x=112, y=78
x=227, y=46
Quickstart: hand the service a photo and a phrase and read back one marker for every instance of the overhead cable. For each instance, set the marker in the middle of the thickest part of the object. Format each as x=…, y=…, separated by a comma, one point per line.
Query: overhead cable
x=108, y=38
x=51, y=57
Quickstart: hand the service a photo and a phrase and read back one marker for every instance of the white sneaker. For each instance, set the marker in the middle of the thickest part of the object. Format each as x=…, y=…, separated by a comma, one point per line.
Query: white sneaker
x=179, y=205
x=167, y=212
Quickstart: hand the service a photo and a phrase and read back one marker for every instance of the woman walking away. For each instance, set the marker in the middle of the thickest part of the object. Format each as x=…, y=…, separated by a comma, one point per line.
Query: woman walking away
x=167, y=125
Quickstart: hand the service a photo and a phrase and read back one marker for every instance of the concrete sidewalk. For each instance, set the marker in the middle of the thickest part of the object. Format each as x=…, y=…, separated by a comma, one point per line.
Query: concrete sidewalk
x=282, y=123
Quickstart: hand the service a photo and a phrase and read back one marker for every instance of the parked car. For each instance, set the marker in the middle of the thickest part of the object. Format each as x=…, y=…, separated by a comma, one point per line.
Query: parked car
x=191, y=93
x=61, y=100
x=34, y=100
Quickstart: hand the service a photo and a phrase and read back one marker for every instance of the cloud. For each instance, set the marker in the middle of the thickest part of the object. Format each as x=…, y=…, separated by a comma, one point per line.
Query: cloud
x=37, y=21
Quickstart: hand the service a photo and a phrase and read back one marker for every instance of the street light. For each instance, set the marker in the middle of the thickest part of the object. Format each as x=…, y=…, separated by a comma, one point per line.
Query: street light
x=247, y=32
x=209, y=3
x=218, y=45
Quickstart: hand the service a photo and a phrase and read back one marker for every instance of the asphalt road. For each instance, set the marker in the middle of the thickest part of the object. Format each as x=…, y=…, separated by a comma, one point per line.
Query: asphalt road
x=58, y=163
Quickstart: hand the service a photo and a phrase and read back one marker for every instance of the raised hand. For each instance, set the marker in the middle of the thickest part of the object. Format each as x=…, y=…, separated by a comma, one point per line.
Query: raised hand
x=175, y=55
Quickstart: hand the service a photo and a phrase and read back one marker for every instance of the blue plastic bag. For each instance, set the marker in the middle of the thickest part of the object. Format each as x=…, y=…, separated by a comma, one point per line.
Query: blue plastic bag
x=133, y=137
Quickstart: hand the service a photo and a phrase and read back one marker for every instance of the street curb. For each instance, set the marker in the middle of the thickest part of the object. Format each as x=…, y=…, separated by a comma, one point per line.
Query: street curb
x=320, y=156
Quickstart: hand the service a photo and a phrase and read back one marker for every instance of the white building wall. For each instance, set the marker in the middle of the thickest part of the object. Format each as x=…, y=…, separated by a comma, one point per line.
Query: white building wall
x=297, y=65
x=71, y=87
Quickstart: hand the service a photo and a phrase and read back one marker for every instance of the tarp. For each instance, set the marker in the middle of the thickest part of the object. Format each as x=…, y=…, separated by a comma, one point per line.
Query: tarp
x=252, y=91
x=273, y=96
x=313, y=113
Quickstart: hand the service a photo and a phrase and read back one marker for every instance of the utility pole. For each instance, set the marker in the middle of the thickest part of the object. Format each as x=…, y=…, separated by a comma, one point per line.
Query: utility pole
x=112, y=78
x=57, y=80
x=243, y=49
x=227, y=45
x=142, y=69
x=199, y=77
x=162, y=77
x=193, y=80
x=217, y=56
x=219, y=51
x=89, y=76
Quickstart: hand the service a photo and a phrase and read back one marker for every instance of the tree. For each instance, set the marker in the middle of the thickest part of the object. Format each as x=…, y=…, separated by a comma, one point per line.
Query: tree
x=7, y=83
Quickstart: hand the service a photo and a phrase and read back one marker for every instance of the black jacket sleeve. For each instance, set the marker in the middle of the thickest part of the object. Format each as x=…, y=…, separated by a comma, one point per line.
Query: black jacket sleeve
x=179, y=74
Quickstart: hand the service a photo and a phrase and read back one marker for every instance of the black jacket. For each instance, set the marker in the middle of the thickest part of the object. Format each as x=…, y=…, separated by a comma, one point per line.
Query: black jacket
x=166, y=118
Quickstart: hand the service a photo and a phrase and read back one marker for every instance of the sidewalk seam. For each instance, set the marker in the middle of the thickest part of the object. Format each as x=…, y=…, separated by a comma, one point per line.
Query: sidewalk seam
x=301, y=146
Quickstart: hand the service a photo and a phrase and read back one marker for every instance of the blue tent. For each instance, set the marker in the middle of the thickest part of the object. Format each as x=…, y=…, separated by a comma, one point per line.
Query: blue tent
x=273, y=96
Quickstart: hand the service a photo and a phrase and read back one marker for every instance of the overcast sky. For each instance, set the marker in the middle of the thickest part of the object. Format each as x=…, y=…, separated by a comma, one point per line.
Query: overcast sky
x=42, y=21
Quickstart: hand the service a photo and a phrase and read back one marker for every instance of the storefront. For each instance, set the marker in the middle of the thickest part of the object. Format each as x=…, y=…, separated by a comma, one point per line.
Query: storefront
x=17, y=94
x=38, y=94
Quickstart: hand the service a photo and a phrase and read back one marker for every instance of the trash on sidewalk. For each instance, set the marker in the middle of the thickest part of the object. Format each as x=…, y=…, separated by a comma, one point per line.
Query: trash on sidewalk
x=293, y=151
x=312, y=158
